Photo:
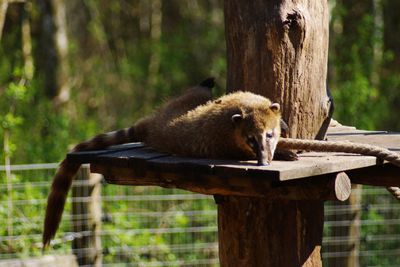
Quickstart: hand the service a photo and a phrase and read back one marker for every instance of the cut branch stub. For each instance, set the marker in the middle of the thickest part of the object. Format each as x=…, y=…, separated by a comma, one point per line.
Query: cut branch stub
x=342, y=187
x=327, y=187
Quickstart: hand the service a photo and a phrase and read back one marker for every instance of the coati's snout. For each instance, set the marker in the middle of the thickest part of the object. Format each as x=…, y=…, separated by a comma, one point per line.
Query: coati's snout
x=260, y=130
x=263, y=146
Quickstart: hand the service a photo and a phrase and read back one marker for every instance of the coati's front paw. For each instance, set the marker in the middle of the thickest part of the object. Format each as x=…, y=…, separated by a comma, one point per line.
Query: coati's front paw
x=285, y=155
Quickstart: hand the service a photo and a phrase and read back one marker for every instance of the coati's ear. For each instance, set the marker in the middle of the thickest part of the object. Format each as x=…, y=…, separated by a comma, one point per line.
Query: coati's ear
x=275, y=107
x=236, y=118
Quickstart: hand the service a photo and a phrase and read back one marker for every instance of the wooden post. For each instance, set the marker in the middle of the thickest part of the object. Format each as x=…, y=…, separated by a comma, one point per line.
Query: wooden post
x=351, y=248
x=86, y=217
x=277, y=48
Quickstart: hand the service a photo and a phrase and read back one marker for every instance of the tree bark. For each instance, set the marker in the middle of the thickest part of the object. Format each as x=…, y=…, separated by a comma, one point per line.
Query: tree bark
x=278, y=49
x=255, y=232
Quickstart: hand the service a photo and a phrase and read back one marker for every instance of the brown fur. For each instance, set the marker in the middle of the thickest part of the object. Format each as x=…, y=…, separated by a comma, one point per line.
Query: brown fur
x=208, y=131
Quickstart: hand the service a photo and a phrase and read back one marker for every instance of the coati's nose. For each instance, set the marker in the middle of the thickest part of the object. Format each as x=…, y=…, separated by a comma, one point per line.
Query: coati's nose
x=263, y=157
x=262, y=162
x=263, y=152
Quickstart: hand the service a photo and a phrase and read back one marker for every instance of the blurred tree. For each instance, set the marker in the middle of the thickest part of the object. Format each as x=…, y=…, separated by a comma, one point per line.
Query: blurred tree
x=353, y=63
x=52, y=50
x=356, y=43
x=100, y=65
x=390, y=78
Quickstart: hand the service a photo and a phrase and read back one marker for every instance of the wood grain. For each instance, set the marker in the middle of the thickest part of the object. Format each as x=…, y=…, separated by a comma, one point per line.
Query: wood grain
x=279, y=49
x=267, y=234
x=325, y=187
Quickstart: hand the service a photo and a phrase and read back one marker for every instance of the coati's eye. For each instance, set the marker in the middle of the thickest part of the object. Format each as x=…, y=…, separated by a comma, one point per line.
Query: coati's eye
x=270, y=134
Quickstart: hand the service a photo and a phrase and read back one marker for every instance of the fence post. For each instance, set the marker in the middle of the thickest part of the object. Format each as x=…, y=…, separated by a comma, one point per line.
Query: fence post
x=86, y=217
x=350, y=247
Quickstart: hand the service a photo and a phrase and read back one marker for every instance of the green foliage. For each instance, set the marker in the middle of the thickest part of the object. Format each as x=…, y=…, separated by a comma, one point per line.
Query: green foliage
x=362, y=94
x=125, y=241
x=112, y=84
x=351, y=108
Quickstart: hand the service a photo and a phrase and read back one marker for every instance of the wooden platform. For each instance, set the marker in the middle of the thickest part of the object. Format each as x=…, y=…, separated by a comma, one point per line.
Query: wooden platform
x=136, y=164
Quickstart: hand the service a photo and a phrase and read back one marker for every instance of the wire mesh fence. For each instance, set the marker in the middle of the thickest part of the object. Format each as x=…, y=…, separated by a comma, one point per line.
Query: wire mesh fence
x=150, y=226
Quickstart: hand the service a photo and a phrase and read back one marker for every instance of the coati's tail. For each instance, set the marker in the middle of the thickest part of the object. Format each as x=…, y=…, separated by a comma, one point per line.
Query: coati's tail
x=56, y=199
x=340, y=146
x=138, y=133
x=67, y=170
x=131, y=134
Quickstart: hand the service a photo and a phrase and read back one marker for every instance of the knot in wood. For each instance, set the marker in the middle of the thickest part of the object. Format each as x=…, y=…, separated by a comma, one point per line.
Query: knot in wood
x=295, y=26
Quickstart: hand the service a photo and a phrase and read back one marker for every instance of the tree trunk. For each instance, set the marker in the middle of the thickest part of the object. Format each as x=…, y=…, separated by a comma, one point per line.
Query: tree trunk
x=391, y=41
x=256, y=232
x=277, y=49
x=3, y=11
x=390, y=80
x=52, y=50
x=355, y=44
x=155, y=54
x=61, y=47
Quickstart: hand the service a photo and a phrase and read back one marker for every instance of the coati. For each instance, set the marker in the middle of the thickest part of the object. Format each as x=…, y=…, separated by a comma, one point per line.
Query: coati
x=240, y=125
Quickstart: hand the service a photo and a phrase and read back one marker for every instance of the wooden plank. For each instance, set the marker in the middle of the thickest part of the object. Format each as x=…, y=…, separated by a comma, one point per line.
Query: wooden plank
x=131, y=157
x=326, y=187
x=126, y=146
x=184, y=166
x=66, y=260
x=144, y=159
x=382, y=139
x=199, y=169
x=341, y=128
x=199, y=183
x=353, y=132
x=136, y=159
x=382, y=175
x=309, y=164
x=91, y=155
